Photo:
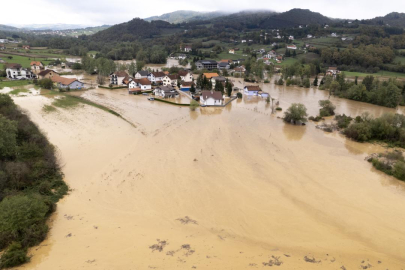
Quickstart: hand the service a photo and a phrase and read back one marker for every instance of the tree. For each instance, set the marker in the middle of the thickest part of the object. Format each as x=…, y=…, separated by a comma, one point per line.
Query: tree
x=316, y=81
x=192, y=88
x=132, y=69
x=194, y=105
x=228, y=86
x=296, y=113
x=139, y=65
x=8, y=138
x=327, y=108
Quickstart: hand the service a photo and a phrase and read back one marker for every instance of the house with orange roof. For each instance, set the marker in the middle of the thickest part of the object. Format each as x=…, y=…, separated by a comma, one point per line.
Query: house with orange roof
x=37, y=65
x=143, y=83
x=210, y=75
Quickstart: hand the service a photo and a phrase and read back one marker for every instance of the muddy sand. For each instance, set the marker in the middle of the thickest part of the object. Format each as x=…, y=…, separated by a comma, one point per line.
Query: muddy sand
x=231, y=188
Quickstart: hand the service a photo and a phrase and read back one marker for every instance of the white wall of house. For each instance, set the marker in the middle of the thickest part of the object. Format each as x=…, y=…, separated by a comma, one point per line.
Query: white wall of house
x=19, y=73
x=251, y=93
x=187, y=78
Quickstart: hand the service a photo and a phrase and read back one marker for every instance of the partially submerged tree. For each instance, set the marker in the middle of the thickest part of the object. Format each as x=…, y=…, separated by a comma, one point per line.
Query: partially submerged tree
x=327, y=108
x=194, y=105
x=296, y=113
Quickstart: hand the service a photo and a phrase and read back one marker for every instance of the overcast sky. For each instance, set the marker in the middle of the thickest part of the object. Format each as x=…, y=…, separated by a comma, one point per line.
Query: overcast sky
x=98, y=12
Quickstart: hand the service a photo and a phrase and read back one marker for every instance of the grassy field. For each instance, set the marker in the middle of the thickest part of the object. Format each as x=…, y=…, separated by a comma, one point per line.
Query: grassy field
x=17, y=91
x=387, y=74
x=400, y=59
x=24, y=61
x=14, y=83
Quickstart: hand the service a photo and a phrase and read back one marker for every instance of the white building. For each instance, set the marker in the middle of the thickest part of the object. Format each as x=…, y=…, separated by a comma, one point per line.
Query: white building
x=143, y=84
x=141, y=74
x=117, y=78
x=16, y=72
x=211, y=98
x=185, y=76
x=165, y=92
x=252, y=90
x=36, y=65
x=156, y=77
x=170, y=80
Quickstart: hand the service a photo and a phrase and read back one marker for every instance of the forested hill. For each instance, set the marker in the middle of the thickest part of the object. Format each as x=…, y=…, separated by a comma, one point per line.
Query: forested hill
x=392, y=19
x=180, y=16
x=296, y=17
x=132, y=30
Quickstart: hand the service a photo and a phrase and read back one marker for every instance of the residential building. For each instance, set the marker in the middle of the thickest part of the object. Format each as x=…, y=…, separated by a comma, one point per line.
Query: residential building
x=26, y=47
x=117, y=78
x=232, y=51
x=36, y=65
x=207, y=64
x=186, y=86
x=218, y=79
x=134, y=91
x=171, y=80
x=291, y=37
x=186, y=48
x=334, y=35
x=224, y=65
x=252, y=90
x=16, y=72
x=65, y=83
x=143, y=84
x=47, y=74
x=142, y=74
x=309, y=36
x=263, y=94
x=165, y=92
x=3, y=40
x=210, y=75
x=332, y=71
x=185, y=75
x=291, y=47
x=211, y=98
x=240, y=69
x=2, y=47
x=156, y=77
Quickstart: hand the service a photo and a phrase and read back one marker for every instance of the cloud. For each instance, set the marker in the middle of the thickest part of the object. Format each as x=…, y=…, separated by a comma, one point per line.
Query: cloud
x=98, y=12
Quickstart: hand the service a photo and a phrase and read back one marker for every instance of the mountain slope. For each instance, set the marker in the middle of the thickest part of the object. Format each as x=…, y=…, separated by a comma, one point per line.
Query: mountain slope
x=185, y=16
x=8, y=28
x=393, y=19
x=295, y=17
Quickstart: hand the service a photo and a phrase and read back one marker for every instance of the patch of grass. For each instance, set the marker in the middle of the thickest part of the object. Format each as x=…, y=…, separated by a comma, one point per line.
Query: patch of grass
x=24, y=61
x=65, y=102
x=14, y=83
x=378, y=74
x=48, y=108
x=18, y=91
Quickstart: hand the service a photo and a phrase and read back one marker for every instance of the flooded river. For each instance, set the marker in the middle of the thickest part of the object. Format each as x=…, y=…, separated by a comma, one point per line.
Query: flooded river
x=218, y=188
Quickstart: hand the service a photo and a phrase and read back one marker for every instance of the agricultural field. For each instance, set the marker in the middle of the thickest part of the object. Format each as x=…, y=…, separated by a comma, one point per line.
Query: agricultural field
x=400, y=59
x=14, y=83
x=387, y=74
x=24, y=61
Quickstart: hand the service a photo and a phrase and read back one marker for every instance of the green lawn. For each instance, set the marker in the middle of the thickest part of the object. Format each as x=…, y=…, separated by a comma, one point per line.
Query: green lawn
x=400, y=59
x=14, y=83
x=24, y=61
x=378, y=74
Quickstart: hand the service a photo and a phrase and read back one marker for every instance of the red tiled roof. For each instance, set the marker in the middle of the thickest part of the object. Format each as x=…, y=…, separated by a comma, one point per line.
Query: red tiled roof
x=253, y=88
x=217, y=95
x=143, y=81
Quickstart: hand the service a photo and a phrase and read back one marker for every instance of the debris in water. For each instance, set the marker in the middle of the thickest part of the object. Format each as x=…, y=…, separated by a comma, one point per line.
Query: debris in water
x=187, y=220
x=159, y=246
x=275, y=261
x=311, y=260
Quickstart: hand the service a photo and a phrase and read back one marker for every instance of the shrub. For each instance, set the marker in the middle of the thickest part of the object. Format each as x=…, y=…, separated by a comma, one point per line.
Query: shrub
x=194, y=105
x=399, y=170
x=297, y=112
x=343, y=121
x=14, y=255
x=279, y=109
x=327, y=108
x=239, y=95
x=358, y=131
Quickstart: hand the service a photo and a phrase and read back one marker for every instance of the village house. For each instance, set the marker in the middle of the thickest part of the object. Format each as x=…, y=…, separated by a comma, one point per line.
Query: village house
x=67, y=83
x=218, y=79
x=210, y=75
x=263, y=94
x=47, y=74
x=134, y=91
x=309, y=36
x=224, y=65
x=3, y=40
x=334, y=35
x=332, y=71
x=36, y=65
x=165, y=92
x=243, y=41
x=232, y=51
x=26, y=47
x=252, y=90
x=270, y=55
x=211, y=98
x=291, y=37
x=117, y=78
x=171, y=80
x=16, y=72
x=126, y=80
x=185, y=75
x=186, y=86
x=143, y=84
x=291, y=47
x=141, y=74
x=207, y=64
x=240, y=69
x=2, y=47
x=156, y=77
x=186, y=48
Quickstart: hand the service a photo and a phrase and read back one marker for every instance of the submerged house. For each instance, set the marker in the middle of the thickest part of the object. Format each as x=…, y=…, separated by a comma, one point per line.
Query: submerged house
x=156, y=77
x=117, y=78
x=141, y=74
x=185, y=75
x=252, y=90
x=186, y=86
x=165, y=92
x=143, y=84
x=47, y=74
x=211, y=98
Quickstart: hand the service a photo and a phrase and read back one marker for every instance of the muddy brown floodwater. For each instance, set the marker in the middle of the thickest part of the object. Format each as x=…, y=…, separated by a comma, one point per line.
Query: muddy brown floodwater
x=218, y=188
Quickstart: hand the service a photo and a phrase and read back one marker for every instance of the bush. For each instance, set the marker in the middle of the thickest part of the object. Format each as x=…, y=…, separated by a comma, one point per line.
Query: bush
x=399, y=170
x=327, y=108
x=343, y=121
x=45, y=83
x=296, y=113
x=239, y=95
x=14, y=255
x=279, y=109
x=358, y=131
x=194, y=105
